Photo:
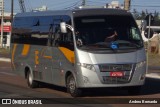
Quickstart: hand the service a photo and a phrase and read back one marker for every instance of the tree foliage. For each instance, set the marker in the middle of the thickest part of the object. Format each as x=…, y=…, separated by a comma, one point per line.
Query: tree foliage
x=144, y=14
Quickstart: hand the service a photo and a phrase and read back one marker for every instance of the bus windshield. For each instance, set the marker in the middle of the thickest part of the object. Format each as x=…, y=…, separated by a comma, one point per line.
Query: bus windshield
x=99, y=32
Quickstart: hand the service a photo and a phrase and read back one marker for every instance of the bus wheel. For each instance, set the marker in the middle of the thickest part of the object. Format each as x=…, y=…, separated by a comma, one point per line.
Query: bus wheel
x=71, y=87
x=31, y=83
x=134, y=90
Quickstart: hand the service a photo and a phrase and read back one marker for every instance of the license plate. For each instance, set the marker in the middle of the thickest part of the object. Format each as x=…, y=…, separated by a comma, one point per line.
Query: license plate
x=116, y=74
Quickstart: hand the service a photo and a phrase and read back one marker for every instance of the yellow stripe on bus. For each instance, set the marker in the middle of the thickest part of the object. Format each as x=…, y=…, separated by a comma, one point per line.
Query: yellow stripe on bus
x=47, y=57
x=36, y=57
x=43, y=54
x=25, y=50
x=68, y=54
x=13, y=55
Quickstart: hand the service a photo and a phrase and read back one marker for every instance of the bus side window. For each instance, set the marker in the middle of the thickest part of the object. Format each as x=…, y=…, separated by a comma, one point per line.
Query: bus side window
x=51, y=35
x=69, y=40
x=64, y=40
x=56, y=38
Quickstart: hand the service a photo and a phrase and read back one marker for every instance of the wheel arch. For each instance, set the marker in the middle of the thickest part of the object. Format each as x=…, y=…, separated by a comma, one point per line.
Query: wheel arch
x=68, y=73
x=26, y=70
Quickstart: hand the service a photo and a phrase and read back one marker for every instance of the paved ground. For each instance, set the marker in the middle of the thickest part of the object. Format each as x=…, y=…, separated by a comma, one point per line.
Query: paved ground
x=4, y=55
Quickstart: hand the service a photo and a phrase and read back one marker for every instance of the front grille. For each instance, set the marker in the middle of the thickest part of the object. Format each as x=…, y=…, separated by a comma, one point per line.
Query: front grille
x=115, y=80
x=115, y=67
x=106, y=69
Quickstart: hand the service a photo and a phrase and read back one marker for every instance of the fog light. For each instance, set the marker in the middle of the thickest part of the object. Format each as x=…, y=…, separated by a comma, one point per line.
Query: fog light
x=142, y=77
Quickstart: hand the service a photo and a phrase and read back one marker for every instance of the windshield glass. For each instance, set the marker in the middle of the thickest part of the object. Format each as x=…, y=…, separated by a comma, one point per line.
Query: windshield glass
x=106, y=32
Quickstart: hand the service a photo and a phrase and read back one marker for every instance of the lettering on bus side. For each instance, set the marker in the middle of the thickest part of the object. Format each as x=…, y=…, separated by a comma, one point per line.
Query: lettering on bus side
x=37, y=57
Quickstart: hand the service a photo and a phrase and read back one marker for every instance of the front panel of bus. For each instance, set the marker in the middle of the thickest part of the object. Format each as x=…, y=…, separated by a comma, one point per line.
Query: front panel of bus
x=118, y=61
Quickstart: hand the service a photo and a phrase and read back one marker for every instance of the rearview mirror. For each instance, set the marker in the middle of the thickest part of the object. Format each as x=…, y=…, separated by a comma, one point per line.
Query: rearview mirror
x=63, y=27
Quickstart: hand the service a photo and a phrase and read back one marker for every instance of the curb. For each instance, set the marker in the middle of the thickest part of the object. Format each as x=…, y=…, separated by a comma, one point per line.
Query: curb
x=5, y=59
x=153, y=75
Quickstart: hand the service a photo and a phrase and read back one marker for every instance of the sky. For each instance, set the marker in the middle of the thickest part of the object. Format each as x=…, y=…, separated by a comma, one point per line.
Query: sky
x=139, y=5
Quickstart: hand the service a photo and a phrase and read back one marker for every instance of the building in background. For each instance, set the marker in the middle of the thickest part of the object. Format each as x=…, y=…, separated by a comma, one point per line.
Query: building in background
x=115, y=4
x=43, y=8
x=6, y=28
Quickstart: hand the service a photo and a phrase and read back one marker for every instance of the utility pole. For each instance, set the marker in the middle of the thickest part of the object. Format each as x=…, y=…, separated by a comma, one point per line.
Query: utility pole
x=12, y=8
x=127, y=4
x=83, y=2
x=2, y=13
x=148, y=45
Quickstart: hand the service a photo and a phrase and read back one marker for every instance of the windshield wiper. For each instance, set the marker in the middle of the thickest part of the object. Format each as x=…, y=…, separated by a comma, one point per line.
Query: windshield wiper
x=114, y=46
x=99, y=45
x=127, y=44
x=134, y=45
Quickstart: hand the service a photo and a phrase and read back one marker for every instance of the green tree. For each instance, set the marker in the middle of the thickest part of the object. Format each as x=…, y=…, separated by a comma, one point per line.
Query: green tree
x=156, y=16
x=147, y=12
x=156, y=19
x=143, y=15
x=136, y=14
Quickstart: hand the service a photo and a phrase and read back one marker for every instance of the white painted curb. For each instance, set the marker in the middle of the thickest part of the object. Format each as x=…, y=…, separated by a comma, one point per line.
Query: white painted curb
x=5, y=59
x=153, y=75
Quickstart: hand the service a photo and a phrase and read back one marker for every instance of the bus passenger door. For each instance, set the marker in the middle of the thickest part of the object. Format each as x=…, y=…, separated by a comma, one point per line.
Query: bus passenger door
x=55, y=66
x=63, y=56
x=46, y=56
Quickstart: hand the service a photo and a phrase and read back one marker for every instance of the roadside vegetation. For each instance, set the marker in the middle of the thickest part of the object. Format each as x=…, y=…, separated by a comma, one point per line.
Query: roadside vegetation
x=155, y=20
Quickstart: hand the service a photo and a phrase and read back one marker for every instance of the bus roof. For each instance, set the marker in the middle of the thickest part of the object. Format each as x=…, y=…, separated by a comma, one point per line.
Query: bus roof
x=76, y=12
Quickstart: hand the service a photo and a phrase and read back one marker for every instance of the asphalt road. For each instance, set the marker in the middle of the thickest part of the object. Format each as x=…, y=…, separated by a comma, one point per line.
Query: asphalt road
x=13, y=86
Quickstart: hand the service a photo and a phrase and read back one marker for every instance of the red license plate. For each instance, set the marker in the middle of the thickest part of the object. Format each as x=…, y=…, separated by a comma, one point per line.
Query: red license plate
x=116, y=74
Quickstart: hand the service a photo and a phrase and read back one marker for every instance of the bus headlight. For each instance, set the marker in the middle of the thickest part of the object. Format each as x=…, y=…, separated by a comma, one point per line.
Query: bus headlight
x=140, y=64
x=88, y=66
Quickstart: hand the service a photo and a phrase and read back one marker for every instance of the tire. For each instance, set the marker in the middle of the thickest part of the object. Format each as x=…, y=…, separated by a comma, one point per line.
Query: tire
x=71, y=87
x=31, y=83
x=134, y=90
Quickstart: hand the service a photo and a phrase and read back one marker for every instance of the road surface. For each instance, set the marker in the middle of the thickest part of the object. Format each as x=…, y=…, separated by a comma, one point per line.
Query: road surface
x=13, y=86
